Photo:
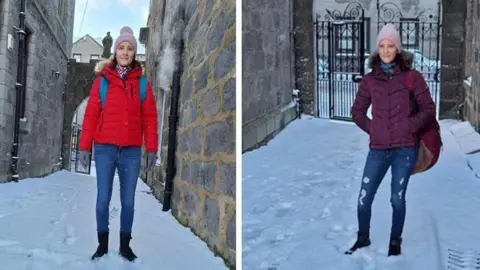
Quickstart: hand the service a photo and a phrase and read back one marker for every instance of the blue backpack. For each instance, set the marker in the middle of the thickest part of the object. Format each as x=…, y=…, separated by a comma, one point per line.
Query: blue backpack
x=104, y=88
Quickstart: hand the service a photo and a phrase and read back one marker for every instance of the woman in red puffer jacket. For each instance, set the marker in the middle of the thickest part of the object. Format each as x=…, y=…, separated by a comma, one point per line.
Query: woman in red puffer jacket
x=398, y=114
x=118, y=129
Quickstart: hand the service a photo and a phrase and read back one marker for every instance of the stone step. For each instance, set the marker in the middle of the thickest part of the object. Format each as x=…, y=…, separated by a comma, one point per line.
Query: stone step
x=467, y=138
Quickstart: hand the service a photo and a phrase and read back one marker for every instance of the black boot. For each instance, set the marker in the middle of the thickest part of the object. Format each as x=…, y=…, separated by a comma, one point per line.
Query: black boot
x=395, y=246
x=362, y=241
x=125, y=250
x=102, y=248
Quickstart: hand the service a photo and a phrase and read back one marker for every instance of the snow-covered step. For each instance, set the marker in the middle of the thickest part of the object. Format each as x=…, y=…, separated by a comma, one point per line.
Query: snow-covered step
x=467, y=138
x=474, y=163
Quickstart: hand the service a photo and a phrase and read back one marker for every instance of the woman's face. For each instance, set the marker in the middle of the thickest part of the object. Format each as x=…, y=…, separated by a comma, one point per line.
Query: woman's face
x=124, y=54
x=387, y=51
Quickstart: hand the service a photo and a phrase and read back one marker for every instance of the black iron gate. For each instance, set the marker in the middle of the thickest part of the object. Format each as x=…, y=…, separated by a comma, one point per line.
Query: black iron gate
x=345, y=41
x=74, y=154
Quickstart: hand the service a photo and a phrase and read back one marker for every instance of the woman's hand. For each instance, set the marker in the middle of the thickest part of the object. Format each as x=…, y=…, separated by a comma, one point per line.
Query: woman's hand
x=151, y=160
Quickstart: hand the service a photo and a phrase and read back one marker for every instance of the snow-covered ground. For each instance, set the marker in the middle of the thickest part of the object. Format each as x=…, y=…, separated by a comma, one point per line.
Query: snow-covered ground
x=49, y=224
x=299, y=205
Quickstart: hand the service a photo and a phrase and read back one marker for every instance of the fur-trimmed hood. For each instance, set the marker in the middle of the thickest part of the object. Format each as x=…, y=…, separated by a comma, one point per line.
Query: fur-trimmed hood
x=101, y=65
x=404, y=60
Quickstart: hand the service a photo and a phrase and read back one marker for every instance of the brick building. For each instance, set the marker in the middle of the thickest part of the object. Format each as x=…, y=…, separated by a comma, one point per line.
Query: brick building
x=48, y=41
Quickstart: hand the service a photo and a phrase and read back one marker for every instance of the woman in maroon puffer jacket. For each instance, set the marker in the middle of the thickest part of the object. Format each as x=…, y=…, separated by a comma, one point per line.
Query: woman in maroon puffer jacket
x=393, y=130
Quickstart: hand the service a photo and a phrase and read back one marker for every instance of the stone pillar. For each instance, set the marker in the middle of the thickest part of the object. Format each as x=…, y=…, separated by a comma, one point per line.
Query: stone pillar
x=472, y=91
x=304, y=54
x=452, y=57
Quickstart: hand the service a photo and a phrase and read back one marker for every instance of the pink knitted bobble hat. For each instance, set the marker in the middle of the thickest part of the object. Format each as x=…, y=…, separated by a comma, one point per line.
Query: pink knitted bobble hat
x=389, y=32
x=126, y=34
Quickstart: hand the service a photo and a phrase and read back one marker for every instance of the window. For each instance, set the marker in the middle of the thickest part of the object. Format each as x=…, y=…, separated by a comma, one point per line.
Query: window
x=78, y=57
x=94, y=56
x=410, y=33
x=28, y=42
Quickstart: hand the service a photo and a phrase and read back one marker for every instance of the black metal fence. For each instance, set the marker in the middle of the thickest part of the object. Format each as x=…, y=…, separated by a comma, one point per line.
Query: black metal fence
x=74, y=154
x=345, y=40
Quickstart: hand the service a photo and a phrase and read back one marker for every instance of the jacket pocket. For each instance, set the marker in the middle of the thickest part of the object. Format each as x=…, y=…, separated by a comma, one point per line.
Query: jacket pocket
x=406, y=130
x=372, y=132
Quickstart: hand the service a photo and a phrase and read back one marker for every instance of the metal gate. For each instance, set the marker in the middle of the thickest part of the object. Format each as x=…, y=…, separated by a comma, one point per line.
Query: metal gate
x=345, y=40
x=75, y=153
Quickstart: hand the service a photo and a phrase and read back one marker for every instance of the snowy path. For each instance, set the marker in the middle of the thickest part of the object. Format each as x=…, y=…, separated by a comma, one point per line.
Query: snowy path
x=49, y=224
x=299, y=204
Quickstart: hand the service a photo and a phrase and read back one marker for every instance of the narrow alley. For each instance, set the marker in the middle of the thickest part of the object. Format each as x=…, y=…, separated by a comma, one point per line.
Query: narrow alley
x=300, y=196
x=49, y=223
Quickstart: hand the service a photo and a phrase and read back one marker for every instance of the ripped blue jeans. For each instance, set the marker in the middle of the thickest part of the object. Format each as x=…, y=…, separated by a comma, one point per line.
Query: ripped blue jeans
x=402, y=162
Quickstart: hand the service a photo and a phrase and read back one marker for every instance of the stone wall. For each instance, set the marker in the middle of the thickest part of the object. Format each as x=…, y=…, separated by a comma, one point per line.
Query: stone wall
x=79, y=82
x=468, y=56
x=204, y=185
x=268, y=75
x=452, y=57
x=472, y=88
x=48, y=47
x=305, y=55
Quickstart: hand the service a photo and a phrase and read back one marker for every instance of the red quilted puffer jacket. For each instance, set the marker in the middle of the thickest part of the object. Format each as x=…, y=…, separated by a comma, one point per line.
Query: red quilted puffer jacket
x=124, y=119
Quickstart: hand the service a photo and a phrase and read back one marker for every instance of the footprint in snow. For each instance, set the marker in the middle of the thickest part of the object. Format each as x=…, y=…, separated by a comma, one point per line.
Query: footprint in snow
x=70, y=238
x=285, y=208
x=326, y=213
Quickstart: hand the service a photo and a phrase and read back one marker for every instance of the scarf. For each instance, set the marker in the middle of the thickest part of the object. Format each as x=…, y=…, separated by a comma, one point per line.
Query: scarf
x=387, y=68
x=123, y=71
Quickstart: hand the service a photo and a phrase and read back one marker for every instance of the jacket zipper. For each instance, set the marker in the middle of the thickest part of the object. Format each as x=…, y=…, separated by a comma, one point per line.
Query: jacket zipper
x=101, y=125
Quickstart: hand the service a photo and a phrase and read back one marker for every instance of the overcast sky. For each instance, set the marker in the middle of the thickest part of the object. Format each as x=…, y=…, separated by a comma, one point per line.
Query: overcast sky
x=102, y=16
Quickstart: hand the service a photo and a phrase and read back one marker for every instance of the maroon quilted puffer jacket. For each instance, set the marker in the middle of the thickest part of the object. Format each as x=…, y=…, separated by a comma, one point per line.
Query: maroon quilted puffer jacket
x=393, y=124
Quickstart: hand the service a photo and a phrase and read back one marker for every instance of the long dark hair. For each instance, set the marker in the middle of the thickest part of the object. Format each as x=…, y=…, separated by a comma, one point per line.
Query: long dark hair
x=404, y=60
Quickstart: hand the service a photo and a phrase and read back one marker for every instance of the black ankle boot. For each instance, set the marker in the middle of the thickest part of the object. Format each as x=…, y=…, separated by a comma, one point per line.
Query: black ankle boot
x=395, y=246
x=125, y=250
x=362, y=241
x=102, y=248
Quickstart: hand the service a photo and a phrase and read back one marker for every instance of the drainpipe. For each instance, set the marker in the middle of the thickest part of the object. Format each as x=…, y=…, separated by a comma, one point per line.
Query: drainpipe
x=19, y=90
x=172, y=121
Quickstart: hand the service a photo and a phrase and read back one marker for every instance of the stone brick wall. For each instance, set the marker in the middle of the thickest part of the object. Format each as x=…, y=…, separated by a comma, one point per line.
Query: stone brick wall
x=472, y=91
x=469, y=38
x=48, y=49
x=267, y=69
x=452, y=57
x=204, y=185
x=79, y=82
x=305, y=56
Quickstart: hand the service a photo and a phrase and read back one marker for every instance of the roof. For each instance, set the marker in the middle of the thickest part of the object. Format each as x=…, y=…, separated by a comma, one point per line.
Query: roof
x=87, y=35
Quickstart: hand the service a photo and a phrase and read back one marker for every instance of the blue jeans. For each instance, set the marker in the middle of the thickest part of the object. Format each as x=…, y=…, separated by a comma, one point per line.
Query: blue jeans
x=127, y=162
x=402, y=161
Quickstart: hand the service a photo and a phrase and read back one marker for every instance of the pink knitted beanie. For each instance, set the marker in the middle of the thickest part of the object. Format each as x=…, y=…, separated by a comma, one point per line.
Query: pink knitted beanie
x=389, y=32
x=126, y=34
